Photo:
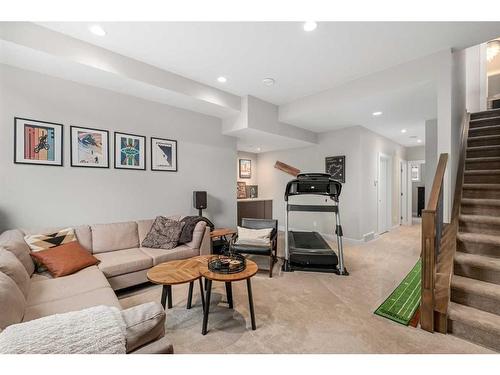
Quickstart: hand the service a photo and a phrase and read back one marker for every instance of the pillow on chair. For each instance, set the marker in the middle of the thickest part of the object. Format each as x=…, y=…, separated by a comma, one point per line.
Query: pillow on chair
x=256, y=237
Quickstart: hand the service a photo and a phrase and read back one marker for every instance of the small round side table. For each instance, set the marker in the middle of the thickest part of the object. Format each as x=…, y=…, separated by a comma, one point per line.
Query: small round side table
x=250, y=270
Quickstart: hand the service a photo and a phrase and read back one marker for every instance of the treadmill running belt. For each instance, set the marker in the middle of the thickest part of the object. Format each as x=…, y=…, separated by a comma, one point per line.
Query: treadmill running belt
x=309, y=241
x=309, y=249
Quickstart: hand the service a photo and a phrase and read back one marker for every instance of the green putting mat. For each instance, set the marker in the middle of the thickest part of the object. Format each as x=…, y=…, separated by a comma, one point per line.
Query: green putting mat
x=404, y=301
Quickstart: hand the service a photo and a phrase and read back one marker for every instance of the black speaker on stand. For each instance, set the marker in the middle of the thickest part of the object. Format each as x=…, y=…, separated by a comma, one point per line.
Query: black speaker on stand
x=200, y=203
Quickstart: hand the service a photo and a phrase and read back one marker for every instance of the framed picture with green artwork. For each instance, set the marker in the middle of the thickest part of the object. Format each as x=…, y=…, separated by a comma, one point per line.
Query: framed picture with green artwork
x=38, y=142
x=130, y=151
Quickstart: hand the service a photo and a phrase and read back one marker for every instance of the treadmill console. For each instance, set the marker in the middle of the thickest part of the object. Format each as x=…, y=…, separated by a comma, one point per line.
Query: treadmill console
x=315, y=184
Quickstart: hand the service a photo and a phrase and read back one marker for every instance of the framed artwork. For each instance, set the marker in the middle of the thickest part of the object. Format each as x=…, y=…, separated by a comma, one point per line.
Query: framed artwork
x=241, y=190
x=130, y=151
x=163, y=155
x=89, y=147
x=252, y=191
x=38, y=142
x=245, y=168
x=335, y=166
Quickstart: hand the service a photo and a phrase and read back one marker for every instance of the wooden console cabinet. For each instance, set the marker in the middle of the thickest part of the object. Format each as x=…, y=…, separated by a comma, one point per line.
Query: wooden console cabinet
x=255, y=209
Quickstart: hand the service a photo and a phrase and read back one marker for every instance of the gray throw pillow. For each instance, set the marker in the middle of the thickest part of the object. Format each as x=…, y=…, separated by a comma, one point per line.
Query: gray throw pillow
x=164, y=234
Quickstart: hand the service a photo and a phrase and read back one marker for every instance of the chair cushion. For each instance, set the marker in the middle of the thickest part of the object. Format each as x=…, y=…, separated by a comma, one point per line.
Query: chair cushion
x=164, y=234
x=13, y=241
x=65, y=259
x=102, y=296
x=46, y=289
x=256, y=237
x=120, y=262
x=252, y=249
x=161, y=255
x=12, y=302
x=144, y=324
x=115, y=236
x=12, y=267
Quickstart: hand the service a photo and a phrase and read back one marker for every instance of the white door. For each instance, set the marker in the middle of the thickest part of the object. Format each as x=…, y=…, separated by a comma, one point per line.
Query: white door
x=404, y=193
x=383, y=202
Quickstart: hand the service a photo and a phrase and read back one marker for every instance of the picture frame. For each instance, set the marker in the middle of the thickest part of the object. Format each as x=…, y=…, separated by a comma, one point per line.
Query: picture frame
x=89, y=147
x=335, y=166
x=245, y=168
x=241, y=190
x=38, y=142
x=130, y=151
x=163, y=154
x=252, y=191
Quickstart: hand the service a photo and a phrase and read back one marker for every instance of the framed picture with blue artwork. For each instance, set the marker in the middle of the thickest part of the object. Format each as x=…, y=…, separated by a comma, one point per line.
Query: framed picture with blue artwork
x=163, y=155
x=38, y=142
x=130, y=151
x=89, y=147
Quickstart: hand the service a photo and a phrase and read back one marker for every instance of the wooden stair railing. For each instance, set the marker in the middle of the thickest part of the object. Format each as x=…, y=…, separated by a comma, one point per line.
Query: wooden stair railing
x=439, y=242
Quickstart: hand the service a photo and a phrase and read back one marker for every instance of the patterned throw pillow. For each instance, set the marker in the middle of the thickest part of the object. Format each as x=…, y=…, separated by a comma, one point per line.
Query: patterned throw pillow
x=164, y=234
x=39, y=242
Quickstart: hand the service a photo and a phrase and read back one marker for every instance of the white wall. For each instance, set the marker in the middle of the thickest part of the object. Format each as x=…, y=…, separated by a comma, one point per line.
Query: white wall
x=415, y=153
x=253, y=158
x=35, y=196
x=358, y=200
x=431, y=156
x=494, y=85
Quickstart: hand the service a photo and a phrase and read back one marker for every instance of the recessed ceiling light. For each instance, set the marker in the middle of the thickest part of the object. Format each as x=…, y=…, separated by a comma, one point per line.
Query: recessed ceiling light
x=268, y=81
x=310, y=26
x=222, y=79
x=258, y=148
x=97, y=30
x=378, y=113
x=419, y=141
x=403, y=131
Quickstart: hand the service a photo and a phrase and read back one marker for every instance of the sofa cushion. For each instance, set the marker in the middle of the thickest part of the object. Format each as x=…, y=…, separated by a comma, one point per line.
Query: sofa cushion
x=65, y=259
x=144, y=324
x=12, y=302
x=45, y=289
x=12, y=267
x=115, y=236
x=198, y=233
x=102, y=296
x=120, y=262
x=13, y=241
x=143, y=227
x=164, y=234
x=161, y=255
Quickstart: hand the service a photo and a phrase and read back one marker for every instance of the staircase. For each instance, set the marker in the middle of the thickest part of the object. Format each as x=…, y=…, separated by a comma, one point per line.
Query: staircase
x=474, y=310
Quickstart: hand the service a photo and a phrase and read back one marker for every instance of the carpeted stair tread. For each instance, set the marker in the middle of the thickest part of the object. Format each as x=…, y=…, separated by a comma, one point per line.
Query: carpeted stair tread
x=474, y=317
x=485, y=147
x=478, y=287
x=475, y=172
x=477, y=261
x=483, y=137
x=480, y=219
x=480, y=202
x=481, y=186
x=490, y=113
x=481, y=128
x=483, y=159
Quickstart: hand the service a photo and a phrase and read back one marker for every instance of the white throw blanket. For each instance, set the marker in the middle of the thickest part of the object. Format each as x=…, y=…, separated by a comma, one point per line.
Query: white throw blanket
x=95, y=330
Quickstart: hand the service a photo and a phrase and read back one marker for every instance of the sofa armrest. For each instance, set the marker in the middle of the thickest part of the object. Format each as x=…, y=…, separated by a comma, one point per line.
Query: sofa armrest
x=161, y=346
x=206, y=243
x=144, y=324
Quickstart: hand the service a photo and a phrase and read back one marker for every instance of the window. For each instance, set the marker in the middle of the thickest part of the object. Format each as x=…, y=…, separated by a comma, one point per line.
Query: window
x=415, y=172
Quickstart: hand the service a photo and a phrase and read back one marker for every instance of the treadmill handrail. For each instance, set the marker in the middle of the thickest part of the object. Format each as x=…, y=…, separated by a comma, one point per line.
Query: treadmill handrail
x=311, y=208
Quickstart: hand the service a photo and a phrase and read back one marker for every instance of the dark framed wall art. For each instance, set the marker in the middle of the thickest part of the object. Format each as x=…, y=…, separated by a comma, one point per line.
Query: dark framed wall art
x=89, y=147
x=163, y=155
x=130, y=151
x=335, y=166
x=245, y=168
x=38, y=142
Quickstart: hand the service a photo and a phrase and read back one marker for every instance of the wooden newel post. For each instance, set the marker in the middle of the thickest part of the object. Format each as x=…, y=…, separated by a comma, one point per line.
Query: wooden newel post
x=428, y=268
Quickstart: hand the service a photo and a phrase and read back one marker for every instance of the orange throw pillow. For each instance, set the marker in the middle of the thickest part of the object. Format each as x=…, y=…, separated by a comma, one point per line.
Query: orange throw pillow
x=65, y=259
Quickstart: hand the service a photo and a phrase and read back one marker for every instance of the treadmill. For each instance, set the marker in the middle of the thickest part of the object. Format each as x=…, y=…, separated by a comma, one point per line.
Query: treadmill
x=308, y=251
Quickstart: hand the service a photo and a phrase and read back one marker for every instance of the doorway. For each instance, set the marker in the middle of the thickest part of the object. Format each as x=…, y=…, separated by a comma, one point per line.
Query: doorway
x=384, y=193
x=404, y=217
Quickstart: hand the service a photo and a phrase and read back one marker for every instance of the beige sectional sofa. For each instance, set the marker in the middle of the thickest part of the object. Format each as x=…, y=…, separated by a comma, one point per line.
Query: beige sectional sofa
x=123, y=263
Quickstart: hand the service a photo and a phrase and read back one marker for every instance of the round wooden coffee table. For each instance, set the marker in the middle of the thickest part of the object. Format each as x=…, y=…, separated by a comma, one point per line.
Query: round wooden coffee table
x=250, y=270
x=177, y=272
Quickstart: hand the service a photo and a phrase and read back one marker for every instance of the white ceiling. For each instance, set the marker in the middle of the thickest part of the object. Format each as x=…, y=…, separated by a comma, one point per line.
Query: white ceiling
x=301, y=63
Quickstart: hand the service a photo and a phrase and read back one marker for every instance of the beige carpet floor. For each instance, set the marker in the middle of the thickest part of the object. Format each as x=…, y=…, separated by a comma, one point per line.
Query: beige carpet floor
x=303, y=312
